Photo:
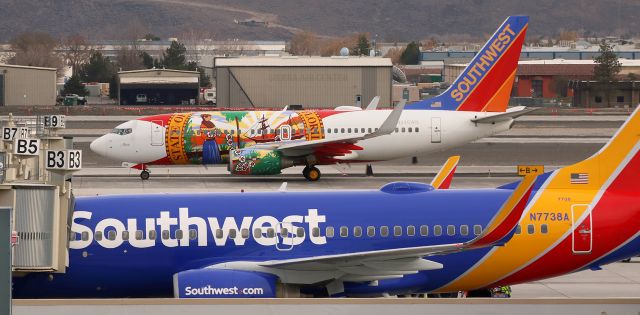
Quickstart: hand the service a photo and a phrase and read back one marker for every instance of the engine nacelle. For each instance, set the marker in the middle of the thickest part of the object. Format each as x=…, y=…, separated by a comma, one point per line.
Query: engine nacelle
x=250, y=161
x=222, y=283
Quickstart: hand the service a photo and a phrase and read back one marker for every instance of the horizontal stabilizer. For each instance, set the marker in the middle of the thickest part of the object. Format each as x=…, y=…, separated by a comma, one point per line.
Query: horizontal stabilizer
x=509, y=114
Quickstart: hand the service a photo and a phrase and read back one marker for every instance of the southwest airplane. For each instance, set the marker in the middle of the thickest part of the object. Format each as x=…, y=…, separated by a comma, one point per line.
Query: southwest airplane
x=400, y=239
x=265, y=142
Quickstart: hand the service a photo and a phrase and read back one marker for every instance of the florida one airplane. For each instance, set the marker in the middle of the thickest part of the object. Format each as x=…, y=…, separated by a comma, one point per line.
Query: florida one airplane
x=265, y=142
x=400, y=239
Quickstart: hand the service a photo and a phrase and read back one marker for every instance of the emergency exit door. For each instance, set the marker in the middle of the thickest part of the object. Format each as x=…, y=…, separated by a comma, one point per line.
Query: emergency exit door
x=582, y=235
x=157, y=134
x=436, y=130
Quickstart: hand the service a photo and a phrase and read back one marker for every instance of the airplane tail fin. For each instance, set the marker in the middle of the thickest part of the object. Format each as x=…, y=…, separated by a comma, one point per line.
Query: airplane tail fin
x=485, y=84
x=618, y=160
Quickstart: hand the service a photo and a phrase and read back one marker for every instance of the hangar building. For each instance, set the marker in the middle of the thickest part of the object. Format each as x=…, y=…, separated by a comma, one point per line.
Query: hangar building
x=158, y=87
x=313, y=82
x=22, y=85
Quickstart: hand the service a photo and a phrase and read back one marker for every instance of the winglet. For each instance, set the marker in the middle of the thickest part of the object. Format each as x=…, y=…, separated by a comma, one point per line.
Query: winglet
x=283, y=187
x=502, y=227
x=442, y=180
x=389, y=125
x=373, y=104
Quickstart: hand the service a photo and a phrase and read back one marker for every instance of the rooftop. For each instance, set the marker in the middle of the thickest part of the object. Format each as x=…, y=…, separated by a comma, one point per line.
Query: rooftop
x=303, y=61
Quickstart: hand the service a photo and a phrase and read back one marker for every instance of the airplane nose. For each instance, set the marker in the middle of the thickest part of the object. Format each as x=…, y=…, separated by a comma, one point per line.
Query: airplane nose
x=99, y=146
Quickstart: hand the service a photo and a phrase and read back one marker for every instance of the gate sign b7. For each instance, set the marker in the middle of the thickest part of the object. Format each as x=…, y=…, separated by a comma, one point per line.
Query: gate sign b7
x=63, y=159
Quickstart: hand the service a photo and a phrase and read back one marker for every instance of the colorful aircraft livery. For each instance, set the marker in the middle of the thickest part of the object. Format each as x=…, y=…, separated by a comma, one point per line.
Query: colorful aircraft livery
x=265, y=142
x=488, y=79
x=403, y=238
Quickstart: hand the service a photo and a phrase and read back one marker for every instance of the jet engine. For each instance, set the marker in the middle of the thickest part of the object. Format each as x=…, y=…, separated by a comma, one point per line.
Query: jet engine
x=250, y=161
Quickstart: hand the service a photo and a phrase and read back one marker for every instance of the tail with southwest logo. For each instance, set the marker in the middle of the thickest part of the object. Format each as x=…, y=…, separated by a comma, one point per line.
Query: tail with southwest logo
x=485, y=84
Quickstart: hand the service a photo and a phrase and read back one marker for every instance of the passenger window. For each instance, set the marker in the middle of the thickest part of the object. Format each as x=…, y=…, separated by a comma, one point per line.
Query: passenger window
x=218, y=233
x=371, y=231
x=98, y=236
x=424, y=230
x=244, y=233
x=396, y=129
x=193, y=234
x=437, y=230
x=284, y=232
x=125, y=235
x=403, y=129
x=152, y=235
x=518, y=229
x=111, y=235
x=342, y=130
x=362, y=130
x=138, y=235
x=411, y=230
x=451, y=230
x=384, y=231
x=165, y=234
x=369, y=130
x=349, y=130
x=417, y=130
x=531, y=229
x=329, y=231
x=410, y=129
x=464, y=230
x=544, y=229
x=233, y=233
x=477, y=229
x=397, y=230
x=85, y=236
x=335, y=130
x=357, y=231
x=315, y=232
x=271, y=233
x=344, y=231
x=257, y=233
x=300, y=232
x=179, y=234
x=328, y=130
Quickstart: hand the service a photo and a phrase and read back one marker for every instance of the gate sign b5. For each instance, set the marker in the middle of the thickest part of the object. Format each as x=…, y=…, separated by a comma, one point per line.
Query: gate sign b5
x=63, y=159
x=26, y=146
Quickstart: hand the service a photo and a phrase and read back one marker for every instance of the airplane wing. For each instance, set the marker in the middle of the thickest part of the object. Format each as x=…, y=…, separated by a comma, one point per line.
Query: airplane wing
x=513, y=112
x=396, y=262
x=303, y=147
x=443, y=179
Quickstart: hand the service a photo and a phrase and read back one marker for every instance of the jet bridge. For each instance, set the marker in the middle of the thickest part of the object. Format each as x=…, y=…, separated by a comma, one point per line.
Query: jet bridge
x=35, y=173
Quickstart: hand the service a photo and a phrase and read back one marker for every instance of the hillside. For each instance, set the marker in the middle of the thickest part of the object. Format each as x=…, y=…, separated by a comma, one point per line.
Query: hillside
x=391, y=20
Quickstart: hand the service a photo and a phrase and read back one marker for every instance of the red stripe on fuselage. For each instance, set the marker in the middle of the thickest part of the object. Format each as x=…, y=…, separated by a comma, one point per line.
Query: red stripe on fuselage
x=495, y=77
x=616, y=218
x=155, y=118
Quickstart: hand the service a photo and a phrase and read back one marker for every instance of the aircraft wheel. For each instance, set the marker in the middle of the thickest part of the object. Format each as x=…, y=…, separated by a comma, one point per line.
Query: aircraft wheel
x=313, y=174
x=145, y=175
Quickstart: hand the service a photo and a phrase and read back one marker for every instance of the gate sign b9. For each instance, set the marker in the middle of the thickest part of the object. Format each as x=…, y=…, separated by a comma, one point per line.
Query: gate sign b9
x=63, y=159
x=26, y=146
x=54, y=121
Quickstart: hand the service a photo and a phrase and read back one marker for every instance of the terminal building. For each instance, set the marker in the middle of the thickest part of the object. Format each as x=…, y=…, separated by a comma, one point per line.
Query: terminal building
x=309, y=82
x=158, y=87
x=22, y=85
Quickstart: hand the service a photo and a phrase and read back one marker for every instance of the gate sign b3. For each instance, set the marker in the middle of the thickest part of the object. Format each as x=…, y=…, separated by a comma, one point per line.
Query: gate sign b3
x=63, y=159
x=26, y=146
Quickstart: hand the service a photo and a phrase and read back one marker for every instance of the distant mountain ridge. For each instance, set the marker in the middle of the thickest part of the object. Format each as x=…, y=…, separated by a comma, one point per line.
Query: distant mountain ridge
x=390, y=20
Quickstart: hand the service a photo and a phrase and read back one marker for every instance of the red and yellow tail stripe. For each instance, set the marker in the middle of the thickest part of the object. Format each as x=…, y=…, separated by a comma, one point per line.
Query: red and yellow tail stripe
x=443, y=179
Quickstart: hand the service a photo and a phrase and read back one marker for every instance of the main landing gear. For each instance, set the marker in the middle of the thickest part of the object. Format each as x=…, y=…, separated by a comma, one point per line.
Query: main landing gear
x=311, y=173
x=144, y=175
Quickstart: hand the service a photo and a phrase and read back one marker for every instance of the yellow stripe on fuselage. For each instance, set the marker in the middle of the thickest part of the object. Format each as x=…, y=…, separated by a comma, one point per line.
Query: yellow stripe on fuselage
x=557, y=197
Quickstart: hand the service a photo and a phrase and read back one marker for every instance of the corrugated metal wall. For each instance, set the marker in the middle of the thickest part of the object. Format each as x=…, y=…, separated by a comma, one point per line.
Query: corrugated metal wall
x=34, y=224
x=38, y=85
x=312, y=87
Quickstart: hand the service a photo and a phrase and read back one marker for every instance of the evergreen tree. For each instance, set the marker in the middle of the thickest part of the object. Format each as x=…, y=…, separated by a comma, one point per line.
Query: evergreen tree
x=98, y=69
x=175, y=57
x=411, y=54
x=606, y=69
x=74, y=86
x=147, y=60
x=362, y=47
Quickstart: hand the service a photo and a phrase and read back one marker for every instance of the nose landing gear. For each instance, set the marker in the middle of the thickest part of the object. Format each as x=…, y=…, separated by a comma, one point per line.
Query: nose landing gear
x=311, y=173
x=144, y=175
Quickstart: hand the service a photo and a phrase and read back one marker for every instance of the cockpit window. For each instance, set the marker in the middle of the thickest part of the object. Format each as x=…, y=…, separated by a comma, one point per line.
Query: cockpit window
x=122, y=131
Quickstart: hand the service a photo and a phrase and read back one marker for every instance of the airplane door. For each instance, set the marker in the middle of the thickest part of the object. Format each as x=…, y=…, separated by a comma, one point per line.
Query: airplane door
x=284, y=132
x=157, y=136
x=436, y=132
x=285, y=235
x=582, y=235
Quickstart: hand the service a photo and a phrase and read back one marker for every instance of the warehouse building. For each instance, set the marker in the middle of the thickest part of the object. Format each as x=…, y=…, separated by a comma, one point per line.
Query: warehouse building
x=622, y=94
x=158, y=87
x=310, y=82
x=22, y=85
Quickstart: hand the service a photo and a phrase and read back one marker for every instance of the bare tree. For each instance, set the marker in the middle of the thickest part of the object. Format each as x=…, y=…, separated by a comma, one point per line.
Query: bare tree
x=129, y=58
x=76, y=52
x=233, y=47
x=394, y=54
x=304, y=44
x=199, y=43
x=35, y=49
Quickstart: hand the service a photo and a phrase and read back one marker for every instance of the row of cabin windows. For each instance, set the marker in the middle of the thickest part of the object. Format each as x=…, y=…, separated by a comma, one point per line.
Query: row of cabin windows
x=330, y=232
x=253, y=132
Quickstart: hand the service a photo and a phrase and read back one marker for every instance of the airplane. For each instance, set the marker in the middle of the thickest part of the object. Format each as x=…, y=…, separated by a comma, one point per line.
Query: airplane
x=265, y=142
x=401, y=239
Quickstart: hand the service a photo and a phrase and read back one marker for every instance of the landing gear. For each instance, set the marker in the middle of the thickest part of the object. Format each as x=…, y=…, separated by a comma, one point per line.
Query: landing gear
x=145, y=174
x=311, y=173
